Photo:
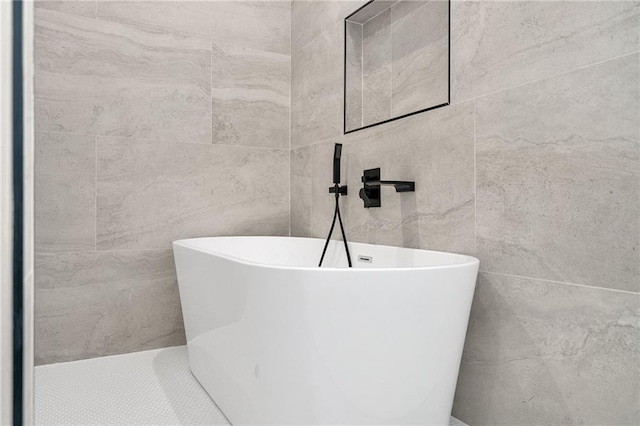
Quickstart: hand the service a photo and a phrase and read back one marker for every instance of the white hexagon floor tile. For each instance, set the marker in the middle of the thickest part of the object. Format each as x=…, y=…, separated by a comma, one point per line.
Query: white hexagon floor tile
x=142, y=388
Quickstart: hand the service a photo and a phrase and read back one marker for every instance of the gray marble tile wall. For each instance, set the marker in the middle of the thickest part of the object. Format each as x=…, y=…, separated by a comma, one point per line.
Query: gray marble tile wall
x=534, y=168
x=155, y=121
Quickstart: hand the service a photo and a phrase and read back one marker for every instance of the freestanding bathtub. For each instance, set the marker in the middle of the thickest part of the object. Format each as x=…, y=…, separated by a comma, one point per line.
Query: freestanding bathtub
x=276, y=340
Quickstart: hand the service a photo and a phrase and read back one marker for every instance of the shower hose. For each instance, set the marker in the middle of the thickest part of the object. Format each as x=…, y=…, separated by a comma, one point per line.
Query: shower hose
x=336, y=214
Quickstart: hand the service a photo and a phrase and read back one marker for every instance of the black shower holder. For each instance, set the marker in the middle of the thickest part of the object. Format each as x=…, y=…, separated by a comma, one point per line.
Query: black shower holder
x=370, y=193
x=340, y=189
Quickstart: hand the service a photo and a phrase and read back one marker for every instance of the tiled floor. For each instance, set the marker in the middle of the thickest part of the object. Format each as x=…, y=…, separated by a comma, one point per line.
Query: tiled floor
x=142, y=388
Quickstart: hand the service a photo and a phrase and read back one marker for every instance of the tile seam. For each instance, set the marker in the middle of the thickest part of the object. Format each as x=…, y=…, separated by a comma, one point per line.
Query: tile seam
x=95, y=195
x=290, y=96
x=506, y=89
x=317, y=36
x=561, y=282
x=211, y=88
x=475, y=184
x=100, y=251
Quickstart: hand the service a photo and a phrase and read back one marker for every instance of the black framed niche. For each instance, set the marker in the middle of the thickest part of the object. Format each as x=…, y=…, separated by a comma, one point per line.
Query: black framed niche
x=397, y=61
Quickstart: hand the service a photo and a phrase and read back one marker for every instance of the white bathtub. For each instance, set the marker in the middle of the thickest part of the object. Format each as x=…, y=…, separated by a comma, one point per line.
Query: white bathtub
x=276, y=340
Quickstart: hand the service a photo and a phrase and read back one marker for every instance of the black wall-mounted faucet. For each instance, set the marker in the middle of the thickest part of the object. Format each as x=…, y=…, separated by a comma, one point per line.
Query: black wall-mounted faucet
x=370, y=193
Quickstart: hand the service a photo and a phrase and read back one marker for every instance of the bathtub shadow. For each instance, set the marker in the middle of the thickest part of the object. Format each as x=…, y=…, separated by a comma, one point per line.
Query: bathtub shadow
x=410, y=226
x=189, y=401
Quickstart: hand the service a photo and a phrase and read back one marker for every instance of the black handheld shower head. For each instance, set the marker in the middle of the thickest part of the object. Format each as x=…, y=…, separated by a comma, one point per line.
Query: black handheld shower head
x=337, y=154
x=338, y=190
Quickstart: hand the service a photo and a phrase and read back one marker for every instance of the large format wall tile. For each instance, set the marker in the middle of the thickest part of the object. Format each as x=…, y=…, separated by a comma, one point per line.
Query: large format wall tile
x=500, y=44
x=250, y=92
x=150, y=193
x=436, y=151
x=74, y=7
x=316, y=89
x=420, y=55
x=558, y=166
x=140, y=77
x=301, y=192
x=65, y=192
x=96, y=77
x=259, y=25
x=309, y=18
x=549, y=353
x=97, y=304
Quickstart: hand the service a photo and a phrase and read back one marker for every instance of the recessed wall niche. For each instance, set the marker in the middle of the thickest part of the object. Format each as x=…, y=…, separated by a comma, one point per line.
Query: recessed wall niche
x=396, y=61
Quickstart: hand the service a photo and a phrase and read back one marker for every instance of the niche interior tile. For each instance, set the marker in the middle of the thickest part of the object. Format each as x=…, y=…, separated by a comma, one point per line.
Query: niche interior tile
x=301, y=176
x=316, y=89
x=150, y=193
x=261, y=25
x=250, y=94
x=95, y=304
x=376, y=68
x=353, y=84
x=420, y=55
x=548, y=353
x=497, y=44
x=74, y=7
x=558, y=177
x=310, y=18
x=97, y=77
x=65, y=192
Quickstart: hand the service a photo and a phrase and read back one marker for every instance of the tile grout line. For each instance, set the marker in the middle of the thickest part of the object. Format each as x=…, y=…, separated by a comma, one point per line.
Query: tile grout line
x=149, y=140
x=320, y=33
x=95, y=195
x=211, y=88
x=322, y=141
x=561, y=282
x=548, y=77
x=475, y=183
x=361, y=75
x=390, y=61
x=290, y=96
x=50, y=253
x=475, y=98
x=312, y=162
x=66, y=133
x=107, y=20
x=290, y=186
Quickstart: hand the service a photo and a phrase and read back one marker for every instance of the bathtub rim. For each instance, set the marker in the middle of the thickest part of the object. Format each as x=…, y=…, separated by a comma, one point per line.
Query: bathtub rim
x=468, y=260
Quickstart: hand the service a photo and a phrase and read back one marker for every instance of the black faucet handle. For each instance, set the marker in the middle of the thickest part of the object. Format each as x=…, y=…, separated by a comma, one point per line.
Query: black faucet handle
x=370, y=193
x=365, y=198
